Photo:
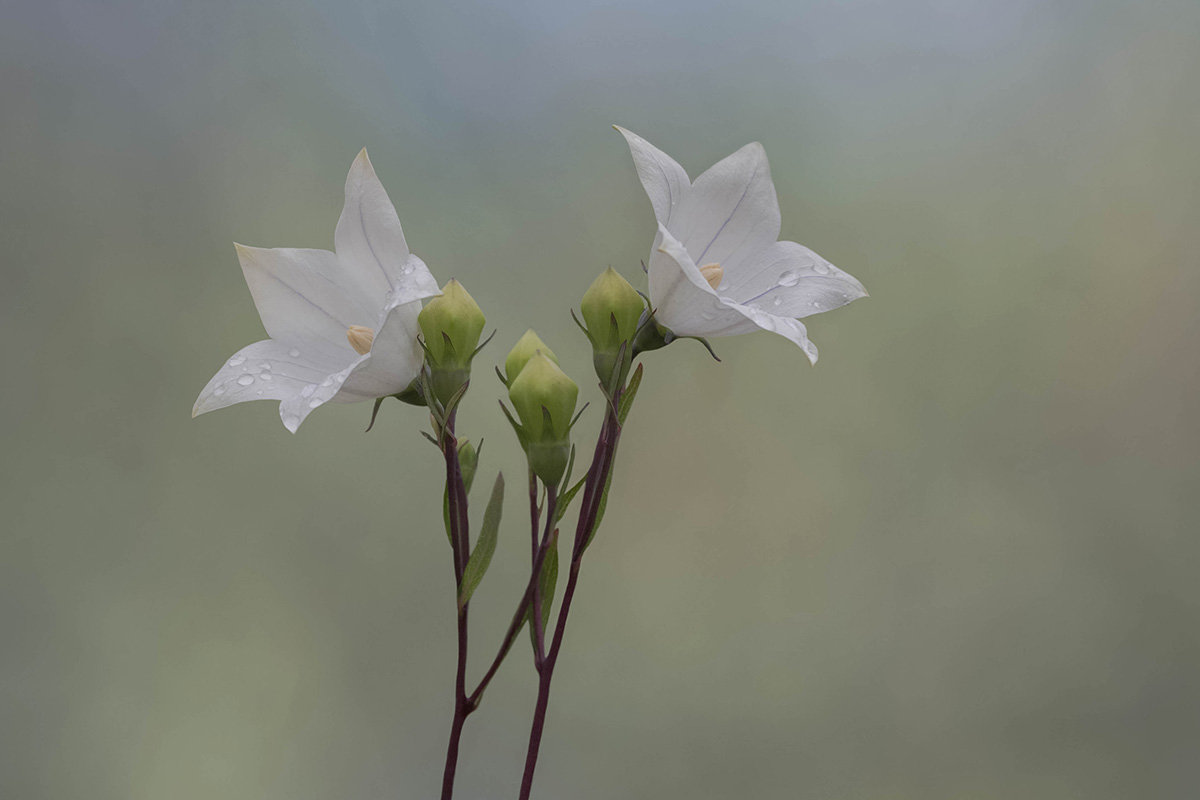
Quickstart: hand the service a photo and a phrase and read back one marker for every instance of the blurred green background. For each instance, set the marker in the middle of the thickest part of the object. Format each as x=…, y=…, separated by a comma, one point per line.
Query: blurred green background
x=956, y=559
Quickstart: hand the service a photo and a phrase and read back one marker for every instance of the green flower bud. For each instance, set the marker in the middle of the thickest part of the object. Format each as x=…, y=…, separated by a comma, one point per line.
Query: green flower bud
x=526, y=347
x=611, y=309
x=451, y=324
x=544, y=398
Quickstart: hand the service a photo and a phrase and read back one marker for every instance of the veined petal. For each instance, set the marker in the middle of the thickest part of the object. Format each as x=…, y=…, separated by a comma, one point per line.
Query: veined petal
x=682, y=299
x=666, y=183
x=787, y=327
x=273, y=370
x=370, y=242
x=395, y=358
x=789, y=280
x=300, y=294
x=731, y=212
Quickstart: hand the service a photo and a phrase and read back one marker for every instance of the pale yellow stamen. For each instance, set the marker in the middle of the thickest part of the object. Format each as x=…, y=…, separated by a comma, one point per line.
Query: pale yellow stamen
x=361, y=339
x=713, y=274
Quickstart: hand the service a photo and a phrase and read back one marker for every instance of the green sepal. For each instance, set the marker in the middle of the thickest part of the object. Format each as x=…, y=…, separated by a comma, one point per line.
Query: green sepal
x=485, y=547
x=374, y=414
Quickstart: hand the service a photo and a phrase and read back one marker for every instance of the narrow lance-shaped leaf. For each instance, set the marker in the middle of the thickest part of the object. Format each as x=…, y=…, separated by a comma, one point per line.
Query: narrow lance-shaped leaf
x=547, y=582
x=626, y=403
x=564, y=502
x=481, y=556
x=622, y=413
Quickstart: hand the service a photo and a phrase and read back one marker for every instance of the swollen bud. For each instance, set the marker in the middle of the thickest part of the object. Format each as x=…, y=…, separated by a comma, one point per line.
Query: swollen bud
x=526, y=347
x=544, y=398
x=451, y=324
x=611, y=309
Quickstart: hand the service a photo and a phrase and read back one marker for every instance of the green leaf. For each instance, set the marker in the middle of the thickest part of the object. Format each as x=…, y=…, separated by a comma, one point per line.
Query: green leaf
x=547, y=582
x=564, y=502
x=630, y=393
x=599, y=510
x=481, y=556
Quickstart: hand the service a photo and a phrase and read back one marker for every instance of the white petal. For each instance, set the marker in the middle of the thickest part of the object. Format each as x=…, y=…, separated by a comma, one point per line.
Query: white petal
x=370, y=243
x=789, y=280
x=300, y=294
x=731, y=212
x=787, y=327
x=682, y=298
x=395, y=358
x=665, y=182
x=272, y=370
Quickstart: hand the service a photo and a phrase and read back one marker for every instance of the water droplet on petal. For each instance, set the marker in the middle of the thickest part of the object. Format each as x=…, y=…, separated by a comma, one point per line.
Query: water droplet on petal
x=291, y=420
x=308, y=390
x=316, y=401
x=294, y=352
x=245, y=380
x=217, y=392
x=259, y=393
x=821, y=267
x=327, y=382
x=266, y=376
x=789, y=278
x=237, y=361
x=777, y=301
x=264, y=365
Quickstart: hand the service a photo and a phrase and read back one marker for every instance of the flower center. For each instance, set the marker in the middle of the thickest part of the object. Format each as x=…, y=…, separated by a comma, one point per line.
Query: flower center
x=713, y=274
x=360, y=338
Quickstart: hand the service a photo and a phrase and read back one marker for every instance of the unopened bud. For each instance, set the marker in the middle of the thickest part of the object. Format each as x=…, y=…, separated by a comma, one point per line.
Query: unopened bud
x=526, y=347
x=611, y=309
x=544, y=398
x=451, y=324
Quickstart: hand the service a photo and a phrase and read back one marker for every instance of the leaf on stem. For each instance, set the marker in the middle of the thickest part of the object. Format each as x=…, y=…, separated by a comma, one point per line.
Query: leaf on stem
x=481, y=556
x=547, y=582
x=630, y=393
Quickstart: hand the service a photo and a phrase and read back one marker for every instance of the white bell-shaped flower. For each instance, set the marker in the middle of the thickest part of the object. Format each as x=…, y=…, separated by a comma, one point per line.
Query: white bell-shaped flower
x=342, y=325
x=717, y=267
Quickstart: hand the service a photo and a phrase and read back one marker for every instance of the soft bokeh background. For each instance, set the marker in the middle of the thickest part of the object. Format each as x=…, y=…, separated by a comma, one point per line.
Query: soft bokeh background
x=956, y=559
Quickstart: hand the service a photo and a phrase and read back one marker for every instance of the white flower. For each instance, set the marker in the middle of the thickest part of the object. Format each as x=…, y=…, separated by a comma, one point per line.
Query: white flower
x=343, y=325
x=716, y=268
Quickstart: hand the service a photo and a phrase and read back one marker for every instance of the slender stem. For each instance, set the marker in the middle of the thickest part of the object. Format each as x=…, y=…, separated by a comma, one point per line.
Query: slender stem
x=460, y=544
x=602, y=461
x=518, y=619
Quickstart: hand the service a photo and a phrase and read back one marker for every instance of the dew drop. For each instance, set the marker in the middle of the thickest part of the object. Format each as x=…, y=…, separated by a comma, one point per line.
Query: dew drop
x=294, y=352
x=237, y=361
x=777, y=301
x=327, y=382
x=308, y=390
x=245, y=380
x=259, y=393
x=291, y=420
x=316, y=401
x=266, y=376
x=265, y=365
x=789, y=278
x=217, y=392
x=821, y=267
